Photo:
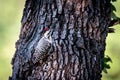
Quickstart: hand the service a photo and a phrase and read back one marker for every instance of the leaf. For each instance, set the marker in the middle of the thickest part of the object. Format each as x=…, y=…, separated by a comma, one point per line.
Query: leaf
x=107, y=59
x=105, y=71
x=114, y=22
x=113, y=15
x=111, y=30
x=113, y=7
x=106, y=66
x=114, y=0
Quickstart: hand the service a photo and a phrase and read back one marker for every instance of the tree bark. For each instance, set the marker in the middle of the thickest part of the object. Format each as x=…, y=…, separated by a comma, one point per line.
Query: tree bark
x=79, y=29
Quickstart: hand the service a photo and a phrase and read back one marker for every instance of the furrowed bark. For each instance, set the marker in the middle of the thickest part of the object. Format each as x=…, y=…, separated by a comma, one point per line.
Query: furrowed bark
x=79, y=31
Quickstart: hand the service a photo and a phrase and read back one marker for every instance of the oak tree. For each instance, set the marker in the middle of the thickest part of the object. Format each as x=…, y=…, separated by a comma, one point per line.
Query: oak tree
x=78, y=29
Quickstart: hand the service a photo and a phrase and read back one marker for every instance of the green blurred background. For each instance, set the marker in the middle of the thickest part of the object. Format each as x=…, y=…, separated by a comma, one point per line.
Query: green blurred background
x=10, y=18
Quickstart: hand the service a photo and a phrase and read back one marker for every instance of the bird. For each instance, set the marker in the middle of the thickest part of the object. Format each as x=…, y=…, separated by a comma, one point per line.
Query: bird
x=44, y=47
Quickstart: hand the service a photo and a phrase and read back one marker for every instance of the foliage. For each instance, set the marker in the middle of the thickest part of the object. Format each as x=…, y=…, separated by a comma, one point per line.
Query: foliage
x=114, y=21
x=113, y=44
x=105, y=64
x=113, y=15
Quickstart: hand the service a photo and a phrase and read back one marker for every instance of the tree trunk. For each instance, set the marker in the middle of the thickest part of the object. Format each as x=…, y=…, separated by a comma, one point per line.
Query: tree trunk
x=79, y=29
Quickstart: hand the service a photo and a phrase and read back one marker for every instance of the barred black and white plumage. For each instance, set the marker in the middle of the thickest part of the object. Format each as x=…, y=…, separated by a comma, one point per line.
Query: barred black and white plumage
x=43, y=47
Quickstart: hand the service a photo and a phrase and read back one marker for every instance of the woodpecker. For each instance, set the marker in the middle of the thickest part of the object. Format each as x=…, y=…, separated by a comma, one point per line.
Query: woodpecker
x=44, y=47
